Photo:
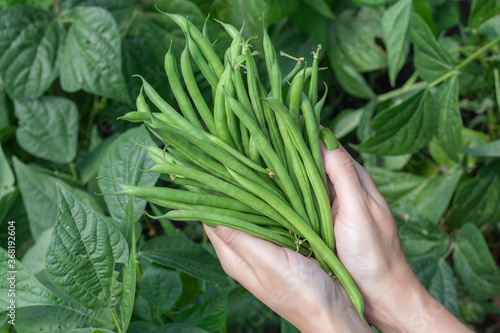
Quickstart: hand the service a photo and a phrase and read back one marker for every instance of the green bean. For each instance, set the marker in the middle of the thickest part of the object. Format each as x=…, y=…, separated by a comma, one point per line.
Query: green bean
x=230, y=29
x=311, y=169
x=295, y=93
x=220, y=115
x=194, y=91
x=135, y=117
x=254, y=151
x=200, y=61
x=319, y=106
x=313, y=86
x=204, y=45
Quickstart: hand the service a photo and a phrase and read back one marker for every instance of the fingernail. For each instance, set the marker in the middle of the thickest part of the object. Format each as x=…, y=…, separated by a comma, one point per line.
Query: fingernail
x=328, y=139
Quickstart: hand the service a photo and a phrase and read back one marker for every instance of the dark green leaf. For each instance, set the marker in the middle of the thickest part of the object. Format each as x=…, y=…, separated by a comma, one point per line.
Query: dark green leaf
x=276, y=10
x=210, y=315
x=449, y=131
x=423, y=8
x=120, y=9
x=190, y=288
x=474, y=264
x=123, y=161
x=82, y=254
x=446, y=15
x=184, y=254
x=89, y=166
x=420, y=237
x=286, y=327
x=92, y=58
x=437, y=277
x=476, y=200
x=4, y=113
x=321, y=7
x=431, y=60
x=48, y=128
x=394, y=185
x=17, y=280
x=141, y=327
x=373, y=3
x=7, y=179
x=129, y=271
x=482, y=11
x=404, y=128
x=161, y=287
x=30, y=49
x=396, y=31
x=178, y=328
x=249, y=12
x=491, y=149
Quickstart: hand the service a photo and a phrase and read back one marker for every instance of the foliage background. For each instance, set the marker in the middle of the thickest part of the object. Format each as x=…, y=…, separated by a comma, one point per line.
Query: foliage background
x=414, y=92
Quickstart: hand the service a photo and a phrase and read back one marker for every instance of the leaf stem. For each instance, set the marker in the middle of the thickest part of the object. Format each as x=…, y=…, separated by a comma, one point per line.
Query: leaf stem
x=401, y=91
x=73, y=170
x=497, y=88
x=96, y=107
x=477, y=53
x=118, y=327
x=66, y=20
x=129, y=24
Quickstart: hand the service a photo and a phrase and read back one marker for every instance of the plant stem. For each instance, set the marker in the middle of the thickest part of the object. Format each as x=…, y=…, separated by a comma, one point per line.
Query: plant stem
x=96, y=107
x=497, y=89
x=73, y=170
x=492, y=124
x=443, y=78
x=129, y=24
x=401, y=91
x=66, y=20
x=118, y=327
x=477, y=53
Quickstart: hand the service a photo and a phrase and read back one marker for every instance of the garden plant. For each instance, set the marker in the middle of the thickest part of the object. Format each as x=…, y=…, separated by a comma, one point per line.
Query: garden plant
x=125, y=122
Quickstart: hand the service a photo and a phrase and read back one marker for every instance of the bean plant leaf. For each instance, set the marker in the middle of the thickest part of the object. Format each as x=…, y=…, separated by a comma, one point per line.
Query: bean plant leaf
x=210, y=315
x=396, y=31
x=129, y=279
x=184, y=254
x=17, y=280
x=276, y=10
x=449, y=131
x=420, y=237
x=89, y=166
x=120, y=9
x=403, y=128
x=345, y=122
x=437, y=277
x=92, y=58
x=394, y=185
x=321, y=7
x=179, y=328
x=123, y=163
x=82, y=254
x=373, y=3
x=475, y=267
x=161, y=287
x=482, y=11
x=286, y=327
x=34, y=258
x=491, y=149
x=8, y=192
x=31, y=45
x=40, y=197
x=476, y=200
x=430, y=60
x=48, y=128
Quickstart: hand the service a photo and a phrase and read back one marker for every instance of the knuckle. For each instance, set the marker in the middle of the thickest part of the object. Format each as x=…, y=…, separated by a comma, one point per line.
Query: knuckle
x=230, y=236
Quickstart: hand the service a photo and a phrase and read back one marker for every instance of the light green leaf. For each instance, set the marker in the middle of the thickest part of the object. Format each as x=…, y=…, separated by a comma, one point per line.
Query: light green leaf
x=396, y=32
x=321, y=7
x=437, y=277
x=357, y=38
x=404, y=128
x=34, y=258
x=40, y=197
x=210, y=315
x=482, y=11
x=345, y=122
x=430, y=60
x=161, y=287
x=7, y=179
x=348, y=76
x=491, y=149
x=178, y=328
x=30, y=50
x=394, y=185
x=92, y=58
x=433, y=196
x=129, y=279
x=476, y=200
x=16, y=280
x=449, y=131
x=475, y=267
x=82, y=254
x=48, y=128
x=184, y=254
x=420, y=237
x=123, y=161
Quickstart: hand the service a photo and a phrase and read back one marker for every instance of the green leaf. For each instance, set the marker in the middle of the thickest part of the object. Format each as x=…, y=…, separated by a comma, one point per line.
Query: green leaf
x=184, y=254
x=141, y=327
x=286, y=327
x=4, y=113
x=373, y=3
x=82, y=254
x=89, y=166
x=30, y=50
x=40, y=197
x=358, y=42
x=7, y=179
x=161, y=287
x=129, y=271
x=482, y=11
x=403, y=128
x=437, y=277
x=276, y=10
x=190, y=289
x=321, y=7
x=348, y=76
x=446, y=15
x=120, y=9
x=92, y=57
x=433, y=196
x=48, y=128
x=396, y=31
x=491, y=149
x=34, y=258
x=476, y=200
x=420, y=237
x=17, y=283
x=178, y=328
x=430, y=60
x=90, y=330
x=424, y=9
x=475, y=267
x=394, y=185
x=345, y=122
x=123, y=161
x=449, y=131
x=210, y=315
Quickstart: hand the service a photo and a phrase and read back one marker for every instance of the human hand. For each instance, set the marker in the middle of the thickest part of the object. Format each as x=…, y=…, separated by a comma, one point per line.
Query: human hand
x=292, y=285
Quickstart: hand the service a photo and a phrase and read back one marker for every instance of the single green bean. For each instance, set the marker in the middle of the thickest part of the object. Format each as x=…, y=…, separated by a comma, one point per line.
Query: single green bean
x=313, y=86
x=220, y=115
x=202, y=64
x=135, y=117
x=319, y=106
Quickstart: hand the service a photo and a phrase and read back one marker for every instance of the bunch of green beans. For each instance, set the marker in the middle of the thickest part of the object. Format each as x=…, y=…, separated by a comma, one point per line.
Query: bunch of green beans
x=252, y=159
